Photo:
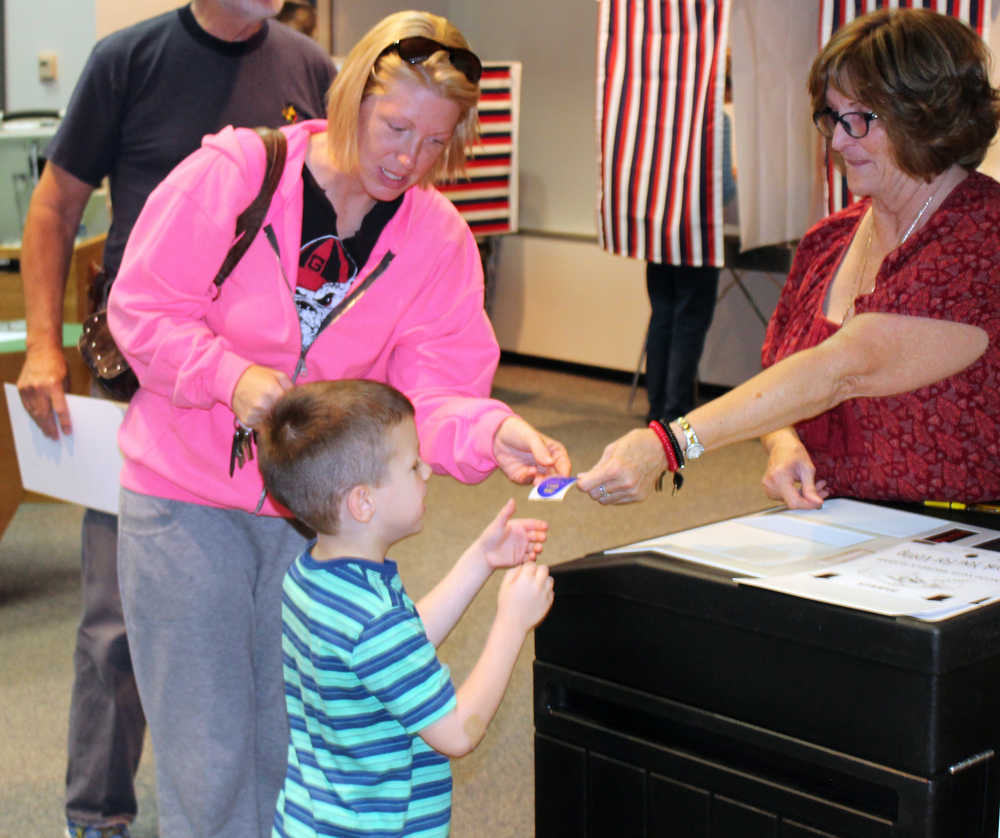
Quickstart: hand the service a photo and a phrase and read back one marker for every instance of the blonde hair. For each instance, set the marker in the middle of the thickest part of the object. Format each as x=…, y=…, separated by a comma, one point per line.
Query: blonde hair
x=364, y=74
x=323, y=438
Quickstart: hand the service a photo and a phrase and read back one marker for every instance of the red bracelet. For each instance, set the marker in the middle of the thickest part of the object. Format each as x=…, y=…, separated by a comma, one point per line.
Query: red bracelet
x=671, y=450
x=668, y=449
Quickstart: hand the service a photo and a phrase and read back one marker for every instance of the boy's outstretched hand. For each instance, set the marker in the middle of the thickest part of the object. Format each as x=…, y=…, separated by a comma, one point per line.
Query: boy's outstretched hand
x=525, y=596
x=508, y=541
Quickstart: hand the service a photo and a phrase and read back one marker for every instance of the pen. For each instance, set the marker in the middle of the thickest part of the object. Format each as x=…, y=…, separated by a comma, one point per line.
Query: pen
x=945, y=504
x=971, y=507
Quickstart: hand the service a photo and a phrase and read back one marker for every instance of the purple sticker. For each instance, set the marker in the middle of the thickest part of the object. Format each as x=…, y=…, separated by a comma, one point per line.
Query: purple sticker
x=553, y=485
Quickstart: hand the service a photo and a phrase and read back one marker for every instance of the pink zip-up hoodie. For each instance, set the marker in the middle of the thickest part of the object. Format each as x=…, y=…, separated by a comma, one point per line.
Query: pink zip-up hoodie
x=419, y=326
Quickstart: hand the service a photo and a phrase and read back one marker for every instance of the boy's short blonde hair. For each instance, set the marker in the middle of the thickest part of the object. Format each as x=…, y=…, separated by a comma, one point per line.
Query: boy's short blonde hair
x=322, y=439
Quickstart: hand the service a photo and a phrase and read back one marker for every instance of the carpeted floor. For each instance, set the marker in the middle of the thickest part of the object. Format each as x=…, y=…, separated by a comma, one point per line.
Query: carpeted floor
x=494, y=786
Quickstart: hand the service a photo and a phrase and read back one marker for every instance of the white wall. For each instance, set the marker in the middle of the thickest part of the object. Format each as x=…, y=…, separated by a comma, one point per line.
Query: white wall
x=565, y=298
x=116, y=14
x=68, y=28
x=352, y=18
x=556, y=42
x=34, y=26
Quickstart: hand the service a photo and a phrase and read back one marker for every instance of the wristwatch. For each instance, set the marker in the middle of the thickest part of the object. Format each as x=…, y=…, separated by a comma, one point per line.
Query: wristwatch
x=694, y=447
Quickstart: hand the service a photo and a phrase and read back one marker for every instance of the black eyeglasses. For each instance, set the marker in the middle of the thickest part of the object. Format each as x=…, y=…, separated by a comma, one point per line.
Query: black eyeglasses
x=855, y=123
x=417, y=50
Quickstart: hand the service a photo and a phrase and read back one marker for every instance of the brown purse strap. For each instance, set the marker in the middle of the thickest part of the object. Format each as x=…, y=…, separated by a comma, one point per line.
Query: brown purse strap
x=248, y=222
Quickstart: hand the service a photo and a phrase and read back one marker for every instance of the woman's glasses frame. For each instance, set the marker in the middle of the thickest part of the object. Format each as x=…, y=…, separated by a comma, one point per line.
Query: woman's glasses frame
x=856, y=124
x=417, y=49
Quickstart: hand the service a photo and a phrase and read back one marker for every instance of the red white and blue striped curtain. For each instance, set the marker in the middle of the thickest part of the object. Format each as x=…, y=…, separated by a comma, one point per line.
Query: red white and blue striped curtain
x=835, y=13
x=660, y=84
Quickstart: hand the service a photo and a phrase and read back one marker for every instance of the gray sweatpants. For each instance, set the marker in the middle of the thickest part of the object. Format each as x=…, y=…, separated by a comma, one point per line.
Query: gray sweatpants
x=201, y=590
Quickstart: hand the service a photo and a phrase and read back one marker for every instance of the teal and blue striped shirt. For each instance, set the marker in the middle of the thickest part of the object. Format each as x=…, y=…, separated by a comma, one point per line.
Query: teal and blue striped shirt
x=361, y=679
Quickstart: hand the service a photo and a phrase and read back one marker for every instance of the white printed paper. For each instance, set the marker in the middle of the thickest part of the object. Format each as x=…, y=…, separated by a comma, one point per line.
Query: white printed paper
x=929, y=581
x=783, y=541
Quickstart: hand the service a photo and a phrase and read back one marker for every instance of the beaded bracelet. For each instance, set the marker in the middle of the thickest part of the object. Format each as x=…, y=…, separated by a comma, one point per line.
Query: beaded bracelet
x=672, y=450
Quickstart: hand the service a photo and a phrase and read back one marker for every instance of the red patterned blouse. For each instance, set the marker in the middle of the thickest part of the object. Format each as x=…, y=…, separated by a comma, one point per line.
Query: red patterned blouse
x=937, y=442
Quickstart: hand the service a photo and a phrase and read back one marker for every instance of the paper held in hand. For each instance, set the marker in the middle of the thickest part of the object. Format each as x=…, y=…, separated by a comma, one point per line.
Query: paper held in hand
x=81, y=467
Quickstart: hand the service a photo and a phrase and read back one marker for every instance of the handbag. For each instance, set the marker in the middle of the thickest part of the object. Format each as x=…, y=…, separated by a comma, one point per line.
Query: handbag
x=102, y=356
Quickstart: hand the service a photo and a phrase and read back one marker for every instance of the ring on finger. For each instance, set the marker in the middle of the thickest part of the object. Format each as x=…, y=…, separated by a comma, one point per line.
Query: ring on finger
x=603, y=490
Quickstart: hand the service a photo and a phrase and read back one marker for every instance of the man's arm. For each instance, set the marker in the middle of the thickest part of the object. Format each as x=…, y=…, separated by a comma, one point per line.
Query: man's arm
x=54, y=214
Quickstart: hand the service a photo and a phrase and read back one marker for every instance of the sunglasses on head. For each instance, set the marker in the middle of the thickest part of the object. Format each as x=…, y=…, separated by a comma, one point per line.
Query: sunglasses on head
x=417, y=50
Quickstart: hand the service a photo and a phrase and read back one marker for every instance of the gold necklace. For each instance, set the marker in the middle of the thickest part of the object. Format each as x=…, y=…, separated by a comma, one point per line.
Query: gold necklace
x=868, y=244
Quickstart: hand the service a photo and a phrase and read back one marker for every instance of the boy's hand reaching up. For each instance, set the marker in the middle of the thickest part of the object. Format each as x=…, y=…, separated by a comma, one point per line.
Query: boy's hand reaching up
x=525, y=596
x=508, y=541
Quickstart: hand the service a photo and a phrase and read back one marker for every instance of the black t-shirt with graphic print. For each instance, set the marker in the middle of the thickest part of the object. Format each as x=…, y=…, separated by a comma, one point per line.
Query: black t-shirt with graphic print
x=327, y=263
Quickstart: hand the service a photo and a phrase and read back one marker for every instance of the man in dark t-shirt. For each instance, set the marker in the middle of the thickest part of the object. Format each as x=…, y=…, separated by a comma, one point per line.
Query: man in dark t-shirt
x=146, y=97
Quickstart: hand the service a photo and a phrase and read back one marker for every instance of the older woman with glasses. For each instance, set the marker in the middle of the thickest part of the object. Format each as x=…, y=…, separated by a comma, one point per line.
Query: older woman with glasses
x=361, y=270
x=883, y=354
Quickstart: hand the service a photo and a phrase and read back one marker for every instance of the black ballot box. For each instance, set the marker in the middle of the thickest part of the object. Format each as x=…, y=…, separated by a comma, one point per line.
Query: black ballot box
x=671, y=701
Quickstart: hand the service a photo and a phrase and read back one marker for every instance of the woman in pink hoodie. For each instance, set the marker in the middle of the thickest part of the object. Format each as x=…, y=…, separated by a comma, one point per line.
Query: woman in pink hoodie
x=361, y=270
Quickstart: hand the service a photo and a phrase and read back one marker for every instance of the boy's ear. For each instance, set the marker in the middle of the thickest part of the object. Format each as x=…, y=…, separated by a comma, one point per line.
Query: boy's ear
x=360, y=503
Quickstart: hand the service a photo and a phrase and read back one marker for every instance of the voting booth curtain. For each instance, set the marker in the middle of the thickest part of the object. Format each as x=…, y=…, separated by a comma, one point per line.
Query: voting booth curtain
x=660, y=85
x=835, y=13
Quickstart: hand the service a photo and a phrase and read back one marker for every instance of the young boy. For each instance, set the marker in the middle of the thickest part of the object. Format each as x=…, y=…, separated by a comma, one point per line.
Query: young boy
x=373, y=713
